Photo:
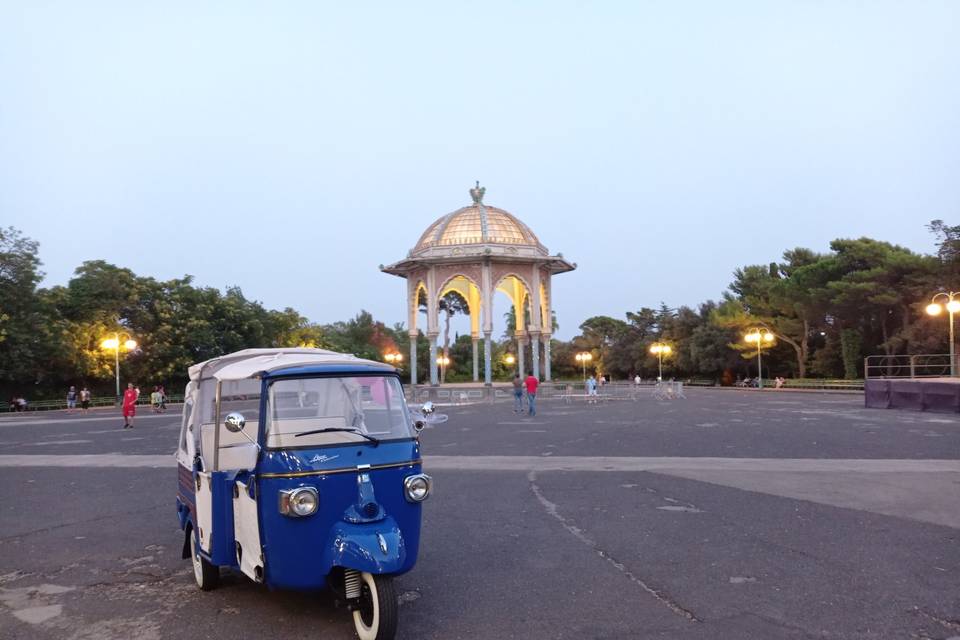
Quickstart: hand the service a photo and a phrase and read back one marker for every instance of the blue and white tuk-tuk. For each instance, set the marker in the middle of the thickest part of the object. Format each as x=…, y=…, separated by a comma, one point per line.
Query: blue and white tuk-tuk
x=301, y=469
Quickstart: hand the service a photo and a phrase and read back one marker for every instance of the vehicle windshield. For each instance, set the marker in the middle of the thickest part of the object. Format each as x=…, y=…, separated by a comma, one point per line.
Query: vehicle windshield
x=309, y=412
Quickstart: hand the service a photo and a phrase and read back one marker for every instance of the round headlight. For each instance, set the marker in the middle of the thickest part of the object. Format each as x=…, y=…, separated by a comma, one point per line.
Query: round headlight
x=299, y=502
x=417, y=487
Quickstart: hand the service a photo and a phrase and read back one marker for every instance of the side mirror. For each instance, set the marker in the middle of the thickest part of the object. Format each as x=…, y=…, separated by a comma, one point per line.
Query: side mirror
x=235, y=422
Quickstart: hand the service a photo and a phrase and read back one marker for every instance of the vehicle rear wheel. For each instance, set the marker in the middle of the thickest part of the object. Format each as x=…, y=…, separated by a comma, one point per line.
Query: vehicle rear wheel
x=206, y=575
x=376, y=616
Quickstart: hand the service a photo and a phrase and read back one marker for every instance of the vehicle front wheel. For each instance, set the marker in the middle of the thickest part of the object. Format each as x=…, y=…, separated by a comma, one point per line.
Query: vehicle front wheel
x=206, y=574
x=376, y=615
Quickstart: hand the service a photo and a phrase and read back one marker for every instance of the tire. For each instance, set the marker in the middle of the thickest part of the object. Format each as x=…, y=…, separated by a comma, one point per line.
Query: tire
x=206, y=574
x=376, y=617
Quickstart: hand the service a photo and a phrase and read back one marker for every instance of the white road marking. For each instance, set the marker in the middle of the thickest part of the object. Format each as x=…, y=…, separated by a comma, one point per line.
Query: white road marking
x=555, y=463
x=22, y=422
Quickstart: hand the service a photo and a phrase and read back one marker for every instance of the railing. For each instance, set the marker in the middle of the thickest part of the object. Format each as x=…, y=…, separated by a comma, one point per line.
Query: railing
x=925, y=365
x=102, y=401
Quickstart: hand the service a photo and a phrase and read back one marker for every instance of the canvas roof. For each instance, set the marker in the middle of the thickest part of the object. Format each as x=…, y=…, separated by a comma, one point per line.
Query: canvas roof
x=249, y=362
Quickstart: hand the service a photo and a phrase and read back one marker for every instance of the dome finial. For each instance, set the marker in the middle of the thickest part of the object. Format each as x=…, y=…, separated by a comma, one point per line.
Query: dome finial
x=477, y=193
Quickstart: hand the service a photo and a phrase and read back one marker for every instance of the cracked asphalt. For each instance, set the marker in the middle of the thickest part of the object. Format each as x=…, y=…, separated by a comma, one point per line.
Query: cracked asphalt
x=594, y=551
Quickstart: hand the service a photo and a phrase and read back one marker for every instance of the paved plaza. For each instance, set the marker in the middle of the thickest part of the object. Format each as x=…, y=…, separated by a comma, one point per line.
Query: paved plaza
x=731, y=514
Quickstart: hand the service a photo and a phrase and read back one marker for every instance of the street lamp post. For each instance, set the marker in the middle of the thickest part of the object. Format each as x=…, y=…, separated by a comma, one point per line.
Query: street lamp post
x=952, y=303
x=114, y=343
x=443, y=361
x=393, y=358
x=510, y=359
x=760, y=336
x=660, y=349
x=583, y=358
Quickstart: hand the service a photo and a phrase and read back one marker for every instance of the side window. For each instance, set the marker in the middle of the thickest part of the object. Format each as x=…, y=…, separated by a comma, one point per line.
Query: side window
x=187, y=411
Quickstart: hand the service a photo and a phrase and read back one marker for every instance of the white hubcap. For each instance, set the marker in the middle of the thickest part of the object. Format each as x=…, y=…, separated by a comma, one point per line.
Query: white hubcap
x=197, y=567
x=364, y=631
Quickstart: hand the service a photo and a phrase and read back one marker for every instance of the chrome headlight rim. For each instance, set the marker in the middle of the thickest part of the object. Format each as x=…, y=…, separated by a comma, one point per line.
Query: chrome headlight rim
x=417, y=488
x=292, y=503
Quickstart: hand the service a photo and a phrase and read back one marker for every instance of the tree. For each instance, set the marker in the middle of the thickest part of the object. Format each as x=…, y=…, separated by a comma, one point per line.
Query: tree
x=27, y=341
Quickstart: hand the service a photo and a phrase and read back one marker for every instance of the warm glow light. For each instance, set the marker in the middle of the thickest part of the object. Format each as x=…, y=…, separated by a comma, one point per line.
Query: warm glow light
x=756, y=336
x=510, y=359
x=583, y=356
x=443, y=360
x=934, y=309
x=130, y=345
x=953, y=306
x=110, y=343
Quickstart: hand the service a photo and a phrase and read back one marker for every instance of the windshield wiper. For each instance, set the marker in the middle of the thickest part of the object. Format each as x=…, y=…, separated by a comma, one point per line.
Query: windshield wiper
x=375, y=441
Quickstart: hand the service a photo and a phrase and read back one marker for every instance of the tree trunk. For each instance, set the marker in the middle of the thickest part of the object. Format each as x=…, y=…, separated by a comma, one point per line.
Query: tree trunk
x=804, y=349
x=800, y=349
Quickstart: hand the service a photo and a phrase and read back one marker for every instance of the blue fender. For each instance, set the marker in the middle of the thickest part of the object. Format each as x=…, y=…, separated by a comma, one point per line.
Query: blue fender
x=376, y=548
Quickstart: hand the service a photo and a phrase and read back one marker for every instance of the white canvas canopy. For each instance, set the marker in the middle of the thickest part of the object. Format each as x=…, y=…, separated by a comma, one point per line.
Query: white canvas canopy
x=248, y=363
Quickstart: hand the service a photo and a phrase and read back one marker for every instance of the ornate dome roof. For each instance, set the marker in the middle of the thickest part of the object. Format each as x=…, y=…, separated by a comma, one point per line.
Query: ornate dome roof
x=477, y=224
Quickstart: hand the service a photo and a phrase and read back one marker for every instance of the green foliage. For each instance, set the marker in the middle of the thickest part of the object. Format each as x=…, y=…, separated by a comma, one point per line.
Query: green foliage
x=851, y=344
x=827, y=310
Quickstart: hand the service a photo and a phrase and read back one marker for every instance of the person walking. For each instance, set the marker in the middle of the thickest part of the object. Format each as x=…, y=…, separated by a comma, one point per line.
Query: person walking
x=532, y=383
x=163, y=398
x=85, y=399
x=129, y=406
x=517, y=393
x=591, y=389
x=72, y=399
x=155, y=399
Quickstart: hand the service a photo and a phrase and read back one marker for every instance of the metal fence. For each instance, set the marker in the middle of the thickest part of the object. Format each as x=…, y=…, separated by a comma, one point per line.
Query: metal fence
x=101, y=401
x=925, y=365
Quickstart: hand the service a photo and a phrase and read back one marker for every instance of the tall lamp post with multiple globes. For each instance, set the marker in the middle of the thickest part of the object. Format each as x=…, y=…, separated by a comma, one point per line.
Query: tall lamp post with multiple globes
x=444, y=362
x=951, y=301
x=114, y=344
x=583, y=358
x=393, y=358
x=660, y=349
x=762, y=336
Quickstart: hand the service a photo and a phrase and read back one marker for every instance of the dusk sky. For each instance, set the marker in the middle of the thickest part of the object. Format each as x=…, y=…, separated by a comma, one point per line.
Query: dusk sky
x=290, y=148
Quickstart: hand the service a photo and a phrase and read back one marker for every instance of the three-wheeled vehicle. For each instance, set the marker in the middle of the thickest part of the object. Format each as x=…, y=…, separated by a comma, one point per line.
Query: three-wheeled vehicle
x=301, y=469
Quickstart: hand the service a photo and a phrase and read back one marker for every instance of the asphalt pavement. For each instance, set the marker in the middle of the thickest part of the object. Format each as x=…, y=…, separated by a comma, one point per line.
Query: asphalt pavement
x=728, y=514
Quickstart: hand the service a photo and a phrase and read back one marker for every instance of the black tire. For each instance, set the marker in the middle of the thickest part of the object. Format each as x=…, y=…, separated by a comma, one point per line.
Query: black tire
x=376, y=617
x=206, y=575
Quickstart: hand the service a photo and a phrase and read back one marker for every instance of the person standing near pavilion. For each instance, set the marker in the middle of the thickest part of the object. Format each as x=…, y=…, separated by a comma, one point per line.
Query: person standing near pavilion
x=517, y=393
x=85, y=399
x=532, y=383
x=72, y=399
x=129, y=406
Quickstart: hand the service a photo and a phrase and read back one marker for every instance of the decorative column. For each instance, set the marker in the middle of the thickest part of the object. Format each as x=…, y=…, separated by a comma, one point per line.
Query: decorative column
x=413, y=356
x=546, y=357
x=521, y=349
x=434, y=378
x=535, y=351
x=476, y=358
x=487, y=358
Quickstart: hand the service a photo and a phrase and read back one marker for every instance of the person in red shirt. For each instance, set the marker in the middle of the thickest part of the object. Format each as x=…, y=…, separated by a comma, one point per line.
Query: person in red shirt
x=129, y=406
x=532, y=383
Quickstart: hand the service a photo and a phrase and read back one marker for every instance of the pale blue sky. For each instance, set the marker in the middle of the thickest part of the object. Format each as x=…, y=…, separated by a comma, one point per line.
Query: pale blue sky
x=289, y=148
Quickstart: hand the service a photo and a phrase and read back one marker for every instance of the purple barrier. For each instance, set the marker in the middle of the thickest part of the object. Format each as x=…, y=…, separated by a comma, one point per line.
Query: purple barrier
x=937, y=395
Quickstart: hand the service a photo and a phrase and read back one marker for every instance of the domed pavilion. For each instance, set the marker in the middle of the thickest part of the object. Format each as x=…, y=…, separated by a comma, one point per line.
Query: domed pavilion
x=475, y=251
